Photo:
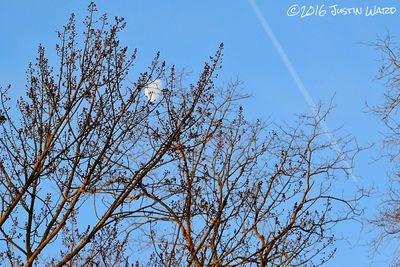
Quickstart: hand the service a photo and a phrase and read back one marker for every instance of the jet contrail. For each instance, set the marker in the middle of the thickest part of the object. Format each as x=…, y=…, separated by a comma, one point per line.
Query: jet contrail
x=300, y=85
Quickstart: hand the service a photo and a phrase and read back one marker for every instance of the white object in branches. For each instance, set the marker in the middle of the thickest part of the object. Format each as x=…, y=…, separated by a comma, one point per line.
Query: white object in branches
x=153, y=90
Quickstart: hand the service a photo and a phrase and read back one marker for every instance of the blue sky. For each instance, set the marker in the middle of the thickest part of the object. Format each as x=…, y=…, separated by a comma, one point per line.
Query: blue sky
x=327, y=53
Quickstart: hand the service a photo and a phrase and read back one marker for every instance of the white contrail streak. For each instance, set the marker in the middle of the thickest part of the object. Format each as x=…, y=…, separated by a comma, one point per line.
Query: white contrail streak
x=300, y=85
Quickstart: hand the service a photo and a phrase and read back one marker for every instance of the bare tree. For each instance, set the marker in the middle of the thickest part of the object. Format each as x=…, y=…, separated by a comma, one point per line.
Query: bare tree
x=82, y=136
x=240, y=195
x=388, y=219
x=89, y=164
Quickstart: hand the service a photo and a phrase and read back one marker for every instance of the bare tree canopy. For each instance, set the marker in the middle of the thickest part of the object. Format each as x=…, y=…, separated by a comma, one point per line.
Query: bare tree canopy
x=96, y=172
x=388, y=219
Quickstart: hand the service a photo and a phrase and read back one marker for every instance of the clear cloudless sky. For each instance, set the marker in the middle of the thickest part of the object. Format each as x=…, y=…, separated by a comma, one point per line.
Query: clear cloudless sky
x=328, y=52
